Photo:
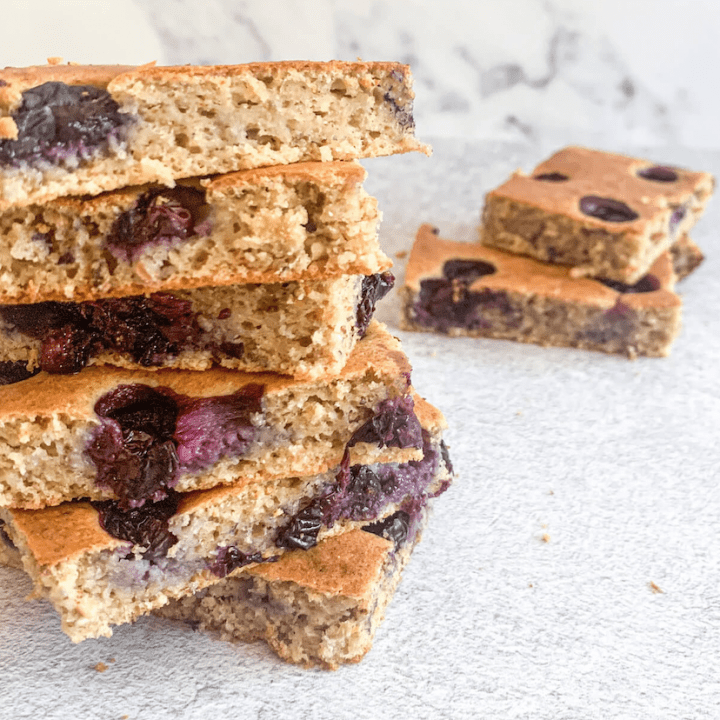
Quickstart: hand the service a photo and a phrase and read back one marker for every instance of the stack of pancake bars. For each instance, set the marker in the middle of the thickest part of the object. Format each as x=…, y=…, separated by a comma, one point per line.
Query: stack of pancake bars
x=200, y=414
x=582, y=252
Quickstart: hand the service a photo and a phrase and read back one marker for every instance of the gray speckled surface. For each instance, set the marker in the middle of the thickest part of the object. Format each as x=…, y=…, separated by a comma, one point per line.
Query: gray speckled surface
x=583, y=478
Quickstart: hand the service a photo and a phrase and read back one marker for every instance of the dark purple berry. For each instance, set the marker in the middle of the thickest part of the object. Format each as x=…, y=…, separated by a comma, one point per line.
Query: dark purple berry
x=659, y=173
x=66, y=258
x=168, y=215
x=146, y=527
x=393, y=425
x=56, y=121
x=373, y=289
x=404, y=115
x=140, y=408
x=65, y=350
x=647, y=283
x=607, y=209
x=393, y=528
x=13, y=372
x=302, y=531
x=230, y=558
x=551, y=177
x=467, y=271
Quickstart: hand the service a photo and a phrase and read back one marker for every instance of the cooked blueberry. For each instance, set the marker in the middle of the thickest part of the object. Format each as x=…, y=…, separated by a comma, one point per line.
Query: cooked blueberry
x=65, y=350
x=659, y=173
x=146, y=526
x=303, y=529
x=551, y=177
x=394, y=528
x=231, y=558
x=140, y=408
x=647, y=283
x=12, y=372
x=615, y=324
x=56, y=121
x=168, y=215
x=35, y=319
x=374, y=288
x=393, y=425
x=467, y=271
x=607, y=209
x=446, y=457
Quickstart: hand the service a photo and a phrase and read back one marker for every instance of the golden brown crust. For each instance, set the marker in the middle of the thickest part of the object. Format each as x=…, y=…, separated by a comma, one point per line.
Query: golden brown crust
x=56, y=534
x=524, y=275
x=75, y=395
x=348, y=564
x=592, y=172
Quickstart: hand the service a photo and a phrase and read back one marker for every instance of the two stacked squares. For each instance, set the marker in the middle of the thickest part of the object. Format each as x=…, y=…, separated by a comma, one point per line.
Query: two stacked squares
x=583, y=252
x=201, y=415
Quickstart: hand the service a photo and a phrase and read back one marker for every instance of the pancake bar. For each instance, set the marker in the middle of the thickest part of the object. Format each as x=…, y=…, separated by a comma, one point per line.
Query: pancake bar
x=102, y=566
x=605, y=215
x=468, y=289
x=290, y=222
x=80, y=130
x=302, y=328
x=109, y=433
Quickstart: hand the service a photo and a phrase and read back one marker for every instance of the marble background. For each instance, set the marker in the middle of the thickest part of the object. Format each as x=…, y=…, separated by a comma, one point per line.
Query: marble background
x=617, y=72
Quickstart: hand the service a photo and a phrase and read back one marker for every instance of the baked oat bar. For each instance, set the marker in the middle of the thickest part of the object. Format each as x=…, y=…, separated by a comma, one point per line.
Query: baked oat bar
x=319, y=608
x=289, y=222
x=81, y=130
x=110, y=433
x=300, y=328
x=469, y=289
x=100, y=565
x=605, y=215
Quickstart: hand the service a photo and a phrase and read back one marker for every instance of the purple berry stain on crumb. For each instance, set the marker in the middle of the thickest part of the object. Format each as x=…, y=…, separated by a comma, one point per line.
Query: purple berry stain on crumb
x=57, y=122
x=148, y=435
x=394, y=424
x=675, y=219
x=149, y=329
x=362, y=492
x=373, y=289
x=160, y=216
x=616, y=325
x=607, y=209
x=551, y=177
x=146, y=527
x=659, y=173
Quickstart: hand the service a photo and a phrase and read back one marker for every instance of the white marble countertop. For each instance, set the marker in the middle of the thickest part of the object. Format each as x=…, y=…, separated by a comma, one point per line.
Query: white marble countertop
x=571, y=572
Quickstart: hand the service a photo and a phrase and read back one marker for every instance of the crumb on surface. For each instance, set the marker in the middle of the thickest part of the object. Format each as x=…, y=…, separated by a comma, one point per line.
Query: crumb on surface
x=655, y=588
x=55, y=60
x=101, y=667
x=401, y=254
x=545, y=538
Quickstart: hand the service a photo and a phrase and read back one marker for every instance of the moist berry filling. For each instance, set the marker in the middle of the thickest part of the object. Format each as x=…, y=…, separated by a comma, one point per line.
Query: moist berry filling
x=148, y=329
x=361, y=492
x=373, y=289
x=447, y=302
x=12, y=372
x=58, y=122
x=393, y=425
x=166, y=216
x=148, y=436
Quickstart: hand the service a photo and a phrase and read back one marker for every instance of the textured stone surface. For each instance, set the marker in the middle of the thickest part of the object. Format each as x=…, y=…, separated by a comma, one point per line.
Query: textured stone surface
x=583, y=479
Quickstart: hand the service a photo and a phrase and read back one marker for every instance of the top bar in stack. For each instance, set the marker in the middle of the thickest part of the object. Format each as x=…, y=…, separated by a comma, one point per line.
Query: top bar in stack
x=607, y=216
x=77, y=130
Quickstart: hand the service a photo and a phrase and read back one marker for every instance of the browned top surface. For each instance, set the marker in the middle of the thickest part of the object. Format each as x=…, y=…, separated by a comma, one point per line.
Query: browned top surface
x=592, y=172
x=523, y=275
x=349, y=564
x=378, y=354
x=101, y=75
x=56, y=534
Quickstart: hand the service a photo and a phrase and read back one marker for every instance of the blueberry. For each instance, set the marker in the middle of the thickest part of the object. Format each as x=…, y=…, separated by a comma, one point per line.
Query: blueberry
x=659, y=173
x=146, y=526
x=394, y=528
x=551, y=177
x=373, y=289
x=393, y=425
x=607, y=209
x=231, y=558
x=467, y=271
x=647, y=283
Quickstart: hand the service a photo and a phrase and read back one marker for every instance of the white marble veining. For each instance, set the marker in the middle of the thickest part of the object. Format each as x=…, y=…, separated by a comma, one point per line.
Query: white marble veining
x=640, y=72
